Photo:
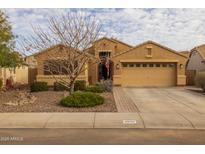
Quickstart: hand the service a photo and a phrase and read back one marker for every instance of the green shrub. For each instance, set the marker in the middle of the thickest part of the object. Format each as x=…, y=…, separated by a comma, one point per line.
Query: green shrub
x=58, y=86
x=1, y=83
x=101, y=85
x=95, y=89
x=39, y=86
x=79, y=85
x=200, y=80
x=82, y=99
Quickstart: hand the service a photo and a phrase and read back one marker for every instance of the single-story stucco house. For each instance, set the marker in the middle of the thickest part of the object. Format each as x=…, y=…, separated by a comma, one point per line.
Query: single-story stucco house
x=148, y=64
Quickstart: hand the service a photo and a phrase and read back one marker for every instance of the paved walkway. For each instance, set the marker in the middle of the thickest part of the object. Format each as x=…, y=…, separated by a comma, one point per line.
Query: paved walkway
x=123, y=102
x=99, y=120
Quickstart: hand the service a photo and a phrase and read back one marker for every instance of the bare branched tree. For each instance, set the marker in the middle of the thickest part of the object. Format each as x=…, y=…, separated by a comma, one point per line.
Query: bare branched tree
x=75, y=33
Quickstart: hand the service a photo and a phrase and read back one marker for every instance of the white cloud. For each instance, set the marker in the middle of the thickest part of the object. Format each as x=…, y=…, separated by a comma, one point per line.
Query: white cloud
x=180, y=29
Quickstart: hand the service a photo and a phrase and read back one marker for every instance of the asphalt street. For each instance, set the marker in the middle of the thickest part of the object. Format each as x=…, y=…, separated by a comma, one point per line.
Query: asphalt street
x=101, y=136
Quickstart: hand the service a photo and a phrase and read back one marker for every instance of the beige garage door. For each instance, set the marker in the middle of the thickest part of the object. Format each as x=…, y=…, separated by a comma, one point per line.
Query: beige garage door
x=148, y=74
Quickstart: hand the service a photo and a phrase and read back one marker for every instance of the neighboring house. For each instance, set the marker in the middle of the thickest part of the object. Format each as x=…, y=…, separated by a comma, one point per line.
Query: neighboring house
x=197, y=59
x=196, y=63
x=19, y=74
x=146, y=65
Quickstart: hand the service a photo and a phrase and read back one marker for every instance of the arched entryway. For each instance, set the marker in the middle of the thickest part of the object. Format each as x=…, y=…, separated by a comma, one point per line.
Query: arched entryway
x=105, y=69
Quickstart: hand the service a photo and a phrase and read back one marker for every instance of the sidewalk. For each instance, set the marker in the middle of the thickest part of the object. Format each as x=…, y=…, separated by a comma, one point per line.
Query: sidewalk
x=98, y=120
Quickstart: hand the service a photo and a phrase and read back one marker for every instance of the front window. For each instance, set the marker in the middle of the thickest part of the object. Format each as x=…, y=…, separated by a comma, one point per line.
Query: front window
x=104, y=54
x=56, y=67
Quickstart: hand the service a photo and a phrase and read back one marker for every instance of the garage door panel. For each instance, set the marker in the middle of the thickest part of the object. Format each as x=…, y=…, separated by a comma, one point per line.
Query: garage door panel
x=148, y=76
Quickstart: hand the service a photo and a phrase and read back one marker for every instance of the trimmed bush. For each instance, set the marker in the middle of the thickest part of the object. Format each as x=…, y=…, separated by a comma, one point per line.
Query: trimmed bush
x=200, y=80
x=1, y=83
x=59, y=87
x=79, y=85
x=95, y=89
x=39, y=86
x=82, y=99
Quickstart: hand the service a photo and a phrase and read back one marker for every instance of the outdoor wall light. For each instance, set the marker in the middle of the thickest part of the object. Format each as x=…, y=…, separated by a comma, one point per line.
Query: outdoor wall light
x=181, y=66
x=117, y=66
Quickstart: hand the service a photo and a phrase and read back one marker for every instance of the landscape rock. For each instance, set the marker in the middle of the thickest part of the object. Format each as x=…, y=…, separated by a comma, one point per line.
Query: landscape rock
x=22, y=98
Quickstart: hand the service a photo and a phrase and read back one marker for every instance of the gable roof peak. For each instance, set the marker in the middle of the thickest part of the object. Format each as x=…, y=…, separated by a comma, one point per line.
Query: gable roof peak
x=113, y=40
x=155, y=43
x=149, y=41
x=104, y=38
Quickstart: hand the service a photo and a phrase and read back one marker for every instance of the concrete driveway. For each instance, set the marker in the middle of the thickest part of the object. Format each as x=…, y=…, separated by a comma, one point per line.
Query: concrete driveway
x=177, y=107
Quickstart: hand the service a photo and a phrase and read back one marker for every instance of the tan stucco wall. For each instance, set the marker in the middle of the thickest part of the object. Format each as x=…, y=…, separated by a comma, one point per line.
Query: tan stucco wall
x=109, y=45
x=121, y=47
x=20, y=75
x=50, y=79
x=92, y=73
x=105, y=45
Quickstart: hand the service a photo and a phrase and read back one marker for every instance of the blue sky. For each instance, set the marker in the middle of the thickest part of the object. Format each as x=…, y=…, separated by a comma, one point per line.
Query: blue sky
x=179, y=29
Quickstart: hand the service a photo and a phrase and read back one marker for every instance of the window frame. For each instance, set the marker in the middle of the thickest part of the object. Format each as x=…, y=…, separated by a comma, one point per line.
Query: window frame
x=104, y=54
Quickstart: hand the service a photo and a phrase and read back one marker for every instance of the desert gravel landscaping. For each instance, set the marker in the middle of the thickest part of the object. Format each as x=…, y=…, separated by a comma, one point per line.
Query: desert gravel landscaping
x=48, y=101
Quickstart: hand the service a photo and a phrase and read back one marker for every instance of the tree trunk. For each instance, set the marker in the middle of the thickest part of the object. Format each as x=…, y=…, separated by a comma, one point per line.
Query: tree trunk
x=71, y=90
